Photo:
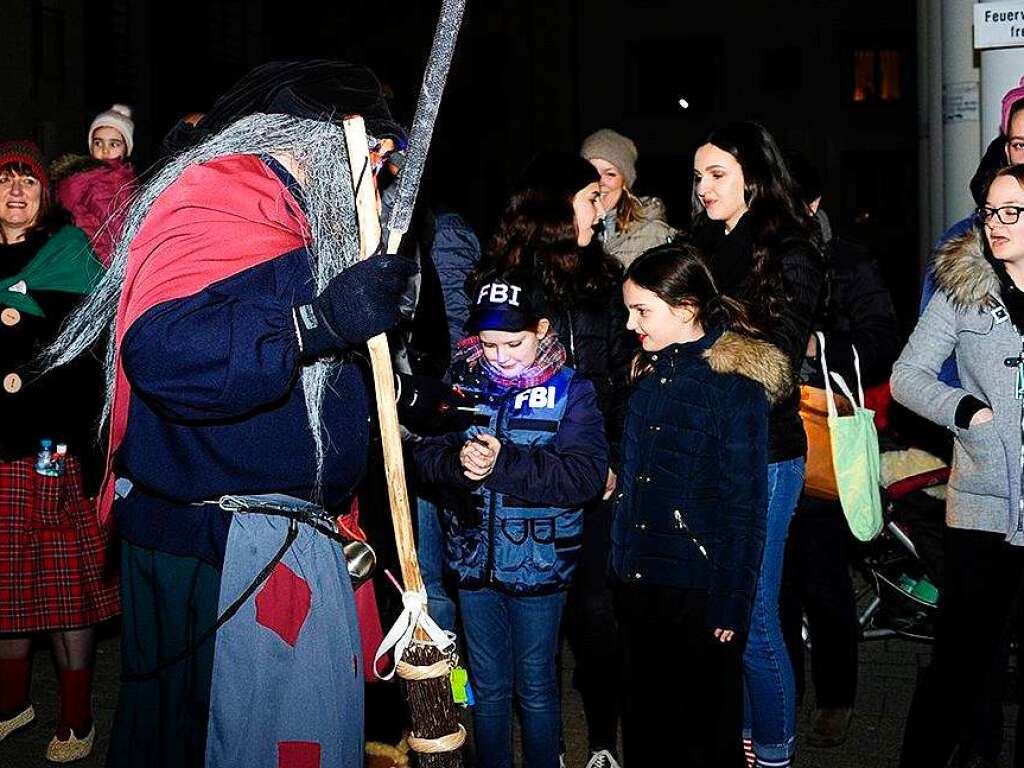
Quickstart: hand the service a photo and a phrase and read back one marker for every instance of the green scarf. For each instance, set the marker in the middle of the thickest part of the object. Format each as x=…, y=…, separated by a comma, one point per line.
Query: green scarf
x=66, y=263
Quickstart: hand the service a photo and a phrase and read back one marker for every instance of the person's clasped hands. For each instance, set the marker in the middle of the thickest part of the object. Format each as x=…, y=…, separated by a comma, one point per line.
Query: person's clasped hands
x=478, y=455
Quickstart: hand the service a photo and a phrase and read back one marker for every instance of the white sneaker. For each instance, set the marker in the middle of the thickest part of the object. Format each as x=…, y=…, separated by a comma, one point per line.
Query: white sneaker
x=602, y=759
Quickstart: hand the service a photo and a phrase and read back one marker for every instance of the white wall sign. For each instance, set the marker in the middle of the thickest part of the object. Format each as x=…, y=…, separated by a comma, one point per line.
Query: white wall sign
x=998, y=25
x=960, y=102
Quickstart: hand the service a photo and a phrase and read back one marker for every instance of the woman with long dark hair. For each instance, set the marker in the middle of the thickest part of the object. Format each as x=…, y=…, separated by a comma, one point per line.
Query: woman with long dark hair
x=758, y=240
x=689, y=522
x=548, y=227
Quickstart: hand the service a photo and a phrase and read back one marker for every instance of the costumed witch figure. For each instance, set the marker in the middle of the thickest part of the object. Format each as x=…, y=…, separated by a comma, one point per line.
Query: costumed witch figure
x=235, y=300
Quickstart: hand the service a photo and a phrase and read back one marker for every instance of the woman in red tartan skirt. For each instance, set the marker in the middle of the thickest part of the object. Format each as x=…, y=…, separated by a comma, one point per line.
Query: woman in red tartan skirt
x=54, y=573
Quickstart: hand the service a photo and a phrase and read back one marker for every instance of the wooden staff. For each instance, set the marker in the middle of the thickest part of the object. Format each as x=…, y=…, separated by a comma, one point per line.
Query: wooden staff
x=437, y=734
x=380, y=360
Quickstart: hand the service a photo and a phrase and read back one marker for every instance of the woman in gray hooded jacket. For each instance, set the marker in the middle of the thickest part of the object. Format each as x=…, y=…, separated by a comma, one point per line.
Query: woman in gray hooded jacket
x=632, y=224
x=977, y=312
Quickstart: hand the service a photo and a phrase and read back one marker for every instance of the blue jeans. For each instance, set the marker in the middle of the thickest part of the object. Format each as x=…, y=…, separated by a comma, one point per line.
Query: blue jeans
x=430, y=551
x=770, y=713
x=512, y=643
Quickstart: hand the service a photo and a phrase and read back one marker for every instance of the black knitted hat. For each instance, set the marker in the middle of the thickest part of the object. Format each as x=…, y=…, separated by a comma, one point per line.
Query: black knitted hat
x=316, y=90
x=558, y=173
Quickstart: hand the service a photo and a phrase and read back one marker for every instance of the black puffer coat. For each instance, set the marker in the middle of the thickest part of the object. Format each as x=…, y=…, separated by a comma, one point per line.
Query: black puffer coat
x=731, y=260
x=593, y=330
x=693, y=498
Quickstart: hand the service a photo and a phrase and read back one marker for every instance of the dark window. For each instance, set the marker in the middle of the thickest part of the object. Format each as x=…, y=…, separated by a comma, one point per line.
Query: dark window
x=877, y=187
x=48, y=50
x=783, y=69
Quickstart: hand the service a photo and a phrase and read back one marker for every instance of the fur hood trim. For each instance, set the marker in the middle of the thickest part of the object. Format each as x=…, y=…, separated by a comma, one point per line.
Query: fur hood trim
x=70, y=164
x=760, y=361
x=963, y=273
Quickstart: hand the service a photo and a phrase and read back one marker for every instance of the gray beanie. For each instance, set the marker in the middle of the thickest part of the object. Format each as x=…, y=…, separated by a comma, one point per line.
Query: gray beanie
x=614, y=148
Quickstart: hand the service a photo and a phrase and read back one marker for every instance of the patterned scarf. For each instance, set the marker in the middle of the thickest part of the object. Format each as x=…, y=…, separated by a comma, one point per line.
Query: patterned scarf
x=550, y=359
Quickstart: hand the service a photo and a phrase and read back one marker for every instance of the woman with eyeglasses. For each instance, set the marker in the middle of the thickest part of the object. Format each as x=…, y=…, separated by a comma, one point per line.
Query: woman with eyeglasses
x=978, y=313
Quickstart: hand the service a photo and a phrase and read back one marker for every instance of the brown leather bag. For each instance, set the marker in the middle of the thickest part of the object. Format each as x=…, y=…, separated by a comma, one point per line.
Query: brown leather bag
x=819, y=472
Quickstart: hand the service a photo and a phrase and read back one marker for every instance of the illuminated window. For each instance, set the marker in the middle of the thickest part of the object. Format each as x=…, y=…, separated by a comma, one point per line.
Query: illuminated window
x=889, y=75
x=877, y=75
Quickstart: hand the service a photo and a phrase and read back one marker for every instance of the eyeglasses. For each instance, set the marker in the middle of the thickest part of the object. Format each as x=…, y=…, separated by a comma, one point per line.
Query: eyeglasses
x=1007, y=214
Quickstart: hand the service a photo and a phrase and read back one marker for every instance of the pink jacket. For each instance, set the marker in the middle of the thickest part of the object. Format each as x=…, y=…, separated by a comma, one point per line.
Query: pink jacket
x=93, y=193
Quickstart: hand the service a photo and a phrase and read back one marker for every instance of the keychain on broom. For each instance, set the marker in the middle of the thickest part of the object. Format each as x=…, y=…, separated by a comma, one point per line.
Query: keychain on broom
x=424, y=654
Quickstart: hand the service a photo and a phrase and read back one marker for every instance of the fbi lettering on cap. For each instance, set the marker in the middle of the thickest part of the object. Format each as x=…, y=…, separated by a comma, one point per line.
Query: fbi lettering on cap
x=499, y=293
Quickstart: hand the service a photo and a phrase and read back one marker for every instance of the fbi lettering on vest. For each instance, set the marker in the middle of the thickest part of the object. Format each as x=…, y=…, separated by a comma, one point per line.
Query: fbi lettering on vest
x=538, y=397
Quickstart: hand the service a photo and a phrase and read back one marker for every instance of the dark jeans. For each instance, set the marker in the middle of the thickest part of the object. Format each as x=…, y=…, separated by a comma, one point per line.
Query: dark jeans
x=592, y=631
x=512, y=643
x=767, y=671
x=684, y=688
x=958, y=699
x=816, y=581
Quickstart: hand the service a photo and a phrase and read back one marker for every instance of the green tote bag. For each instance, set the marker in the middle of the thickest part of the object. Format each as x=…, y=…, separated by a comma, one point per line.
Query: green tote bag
x=854, y=454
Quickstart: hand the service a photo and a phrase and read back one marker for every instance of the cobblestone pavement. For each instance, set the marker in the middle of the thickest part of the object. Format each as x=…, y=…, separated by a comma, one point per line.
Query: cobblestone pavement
x=888, y=671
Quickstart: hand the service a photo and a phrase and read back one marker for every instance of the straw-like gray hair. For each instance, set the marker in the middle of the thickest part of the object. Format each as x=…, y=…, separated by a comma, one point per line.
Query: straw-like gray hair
x=319, y=149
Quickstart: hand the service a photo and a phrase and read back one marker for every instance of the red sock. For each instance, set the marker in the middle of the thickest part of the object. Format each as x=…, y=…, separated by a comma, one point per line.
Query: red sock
x=75, y=702
x=14, y=679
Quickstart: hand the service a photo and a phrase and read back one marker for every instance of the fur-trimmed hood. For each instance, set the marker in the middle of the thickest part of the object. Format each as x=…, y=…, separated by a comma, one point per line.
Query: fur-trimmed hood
x=962, y=272
x=735, y=352
x=70, y=164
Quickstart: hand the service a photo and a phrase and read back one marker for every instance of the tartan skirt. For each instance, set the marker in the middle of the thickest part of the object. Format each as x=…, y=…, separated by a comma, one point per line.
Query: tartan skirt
x=57, y=570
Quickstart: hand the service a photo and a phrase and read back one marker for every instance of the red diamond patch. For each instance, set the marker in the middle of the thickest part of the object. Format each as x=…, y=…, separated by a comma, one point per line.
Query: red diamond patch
x=283, y=604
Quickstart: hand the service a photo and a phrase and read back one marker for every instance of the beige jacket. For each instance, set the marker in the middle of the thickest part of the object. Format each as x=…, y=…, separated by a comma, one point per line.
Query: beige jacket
x=648, y=231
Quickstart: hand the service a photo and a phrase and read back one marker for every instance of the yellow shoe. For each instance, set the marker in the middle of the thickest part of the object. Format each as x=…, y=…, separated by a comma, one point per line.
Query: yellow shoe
x=20, y=720
x=73, y=749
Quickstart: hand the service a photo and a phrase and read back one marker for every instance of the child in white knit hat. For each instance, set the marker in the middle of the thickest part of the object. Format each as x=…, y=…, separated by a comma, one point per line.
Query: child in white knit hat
x=95, y=188
x=111, y=134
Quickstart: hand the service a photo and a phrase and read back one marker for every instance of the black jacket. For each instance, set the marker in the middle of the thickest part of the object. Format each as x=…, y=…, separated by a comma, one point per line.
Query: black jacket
x=730, y=258
x=692, y=506
x=856, y=310
x=63, y=405
x=600, y=348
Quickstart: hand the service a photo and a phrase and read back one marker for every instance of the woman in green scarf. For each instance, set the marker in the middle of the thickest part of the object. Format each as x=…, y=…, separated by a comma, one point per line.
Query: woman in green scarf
x=54, y=575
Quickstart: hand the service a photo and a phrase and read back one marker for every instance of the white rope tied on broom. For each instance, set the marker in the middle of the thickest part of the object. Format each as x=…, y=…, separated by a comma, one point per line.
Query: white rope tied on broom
x=414, y=614
x=448, y=743
x=410, y=672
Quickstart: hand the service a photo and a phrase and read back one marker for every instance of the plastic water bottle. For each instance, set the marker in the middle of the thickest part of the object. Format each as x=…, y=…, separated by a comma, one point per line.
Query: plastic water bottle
x=60, y=457
x=44, y=459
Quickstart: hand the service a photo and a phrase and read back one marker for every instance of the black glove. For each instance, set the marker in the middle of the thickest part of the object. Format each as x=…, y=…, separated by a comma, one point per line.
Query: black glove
x=430, y=406
x=356, y=305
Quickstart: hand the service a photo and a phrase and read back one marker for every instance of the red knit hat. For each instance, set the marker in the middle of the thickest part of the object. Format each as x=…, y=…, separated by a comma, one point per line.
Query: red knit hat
x=24, y=151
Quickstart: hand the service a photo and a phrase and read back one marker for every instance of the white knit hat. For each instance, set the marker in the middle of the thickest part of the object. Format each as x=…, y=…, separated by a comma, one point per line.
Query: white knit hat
x=118, y=117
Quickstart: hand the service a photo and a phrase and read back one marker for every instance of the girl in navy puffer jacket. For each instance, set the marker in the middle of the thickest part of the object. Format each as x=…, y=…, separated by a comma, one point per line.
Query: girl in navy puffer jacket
x=514, y=486
x=689, y=522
